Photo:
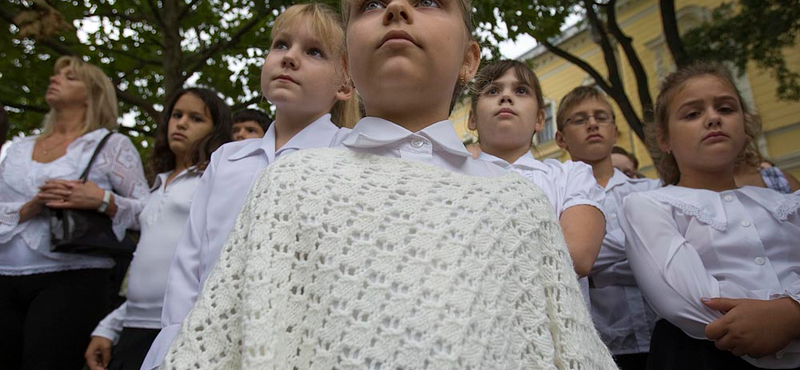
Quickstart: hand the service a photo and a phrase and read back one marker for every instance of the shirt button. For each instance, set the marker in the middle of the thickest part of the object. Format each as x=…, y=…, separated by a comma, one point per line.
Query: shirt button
x=728, y=198
x=746, y=223
x=417, y=143
x=760, y=260
x=613, y=215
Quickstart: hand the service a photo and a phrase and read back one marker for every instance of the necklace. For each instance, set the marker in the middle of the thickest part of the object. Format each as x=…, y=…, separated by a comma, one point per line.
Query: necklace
x=46, y=150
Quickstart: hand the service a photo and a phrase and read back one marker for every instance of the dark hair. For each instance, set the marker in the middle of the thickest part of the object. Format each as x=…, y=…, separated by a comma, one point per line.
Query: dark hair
x=578, y=95
x=163, y=159
x=665, y=163
x=494, y=70
x=619, y=150
x=253, y=115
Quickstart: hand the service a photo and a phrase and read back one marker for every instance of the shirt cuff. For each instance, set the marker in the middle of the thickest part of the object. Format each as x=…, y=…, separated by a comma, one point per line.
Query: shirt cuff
x=107, y=333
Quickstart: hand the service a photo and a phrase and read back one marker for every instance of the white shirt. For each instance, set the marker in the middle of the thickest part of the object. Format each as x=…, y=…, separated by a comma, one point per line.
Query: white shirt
x=619, y=311
x=437, y=144
x=161, y=221
x=566, y=184
x=216, y=203
x=686, y=244
x=25, y=247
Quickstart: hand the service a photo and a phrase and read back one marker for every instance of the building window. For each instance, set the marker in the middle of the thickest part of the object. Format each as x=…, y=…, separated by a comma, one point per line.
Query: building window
x=549, y=131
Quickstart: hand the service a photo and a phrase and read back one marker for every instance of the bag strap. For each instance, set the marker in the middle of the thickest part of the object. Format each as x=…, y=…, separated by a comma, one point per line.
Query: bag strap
x=85, y=174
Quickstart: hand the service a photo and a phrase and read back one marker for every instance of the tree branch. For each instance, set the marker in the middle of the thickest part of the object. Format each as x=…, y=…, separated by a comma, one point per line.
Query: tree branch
x=156, y=15
x=137, y=129
x=206, y=54
x=598, y=78
x=635, y=63
x=137, y=101
x=672, y=35
x=31, y=108
x=187, y=9
x=242, y=105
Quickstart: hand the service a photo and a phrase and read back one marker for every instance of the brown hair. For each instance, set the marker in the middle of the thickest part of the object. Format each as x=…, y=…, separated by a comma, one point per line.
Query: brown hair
x=163, y=159
x=578, y=95
x=327, y=25
x=101, y=108
x=665, y=163
x=494, y=70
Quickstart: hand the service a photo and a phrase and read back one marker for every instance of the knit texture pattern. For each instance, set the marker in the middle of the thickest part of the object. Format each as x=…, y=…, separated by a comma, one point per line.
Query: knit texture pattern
x=341, y=260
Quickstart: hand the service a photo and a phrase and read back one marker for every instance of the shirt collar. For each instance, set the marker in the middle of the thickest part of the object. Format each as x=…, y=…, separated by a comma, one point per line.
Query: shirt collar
x=317, y=134
x=162, y=177
x=373, y=132
x=618, y=178
x=526, y=161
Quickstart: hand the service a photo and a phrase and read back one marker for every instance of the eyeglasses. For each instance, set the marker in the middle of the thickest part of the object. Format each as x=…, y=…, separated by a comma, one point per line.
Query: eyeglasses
x=602, y=118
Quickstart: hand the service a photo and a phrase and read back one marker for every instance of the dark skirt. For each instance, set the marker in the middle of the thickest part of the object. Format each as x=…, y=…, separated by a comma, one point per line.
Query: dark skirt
x=672, y=349
x=132, y=347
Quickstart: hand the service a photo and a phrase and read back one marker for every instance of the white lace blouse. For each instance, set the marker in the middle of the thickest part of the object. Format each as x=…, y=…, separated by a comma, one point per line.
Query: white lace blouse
x=686, y=244
x=25, y=247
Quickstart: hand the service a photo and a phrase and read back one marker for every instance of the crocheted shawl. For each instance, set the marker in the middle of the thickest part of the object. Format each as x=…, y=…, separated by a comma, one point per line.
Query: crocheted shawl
x=342, y=260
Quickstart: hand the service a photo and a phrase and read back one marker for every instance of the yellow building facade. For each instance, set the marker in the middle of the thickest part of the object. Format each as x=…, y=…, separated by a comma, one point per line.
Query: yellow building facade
x=641, y=20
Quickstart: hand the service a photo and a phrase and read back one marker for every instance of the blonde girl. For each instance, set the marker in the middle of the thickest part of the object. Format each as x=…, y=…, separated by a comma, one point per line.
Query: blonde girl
x=302, y=77
x=395, y=250
x=717, y=262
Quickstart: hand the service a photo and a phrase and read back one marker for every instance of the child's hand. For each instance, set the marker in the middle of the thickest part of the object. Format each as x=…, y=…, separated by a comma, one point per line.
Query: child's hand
x=752, y=327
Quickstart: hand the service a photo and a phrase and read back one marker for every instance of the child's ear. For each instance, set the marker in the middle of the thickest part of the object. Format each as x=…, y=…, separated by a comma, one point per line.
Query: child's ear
x=345, y=91
x=561, y=141
x=663, y=141
x=472, y=60
x=539, y=125
x=472, y=123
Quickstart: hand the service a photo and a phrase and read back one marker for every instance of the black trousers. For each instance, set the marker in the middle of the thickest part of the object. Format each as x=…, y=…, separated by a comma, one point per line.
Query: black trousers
x=633, y=361
x=672, y=349
x=46, y=319
x=131, y=349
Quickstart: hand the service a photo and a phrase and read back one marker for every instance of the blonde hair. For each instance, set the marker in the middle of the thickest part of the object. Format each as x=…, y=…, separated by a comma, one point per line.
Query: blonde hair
x=101, y=108
x=324, y=22
x=665, y=163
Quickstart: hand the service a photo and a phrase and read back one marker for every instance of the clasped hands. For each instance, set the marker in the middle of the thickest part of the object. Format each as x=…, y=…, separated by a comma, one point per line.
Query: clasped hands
x=63, y=194
x=753, y=327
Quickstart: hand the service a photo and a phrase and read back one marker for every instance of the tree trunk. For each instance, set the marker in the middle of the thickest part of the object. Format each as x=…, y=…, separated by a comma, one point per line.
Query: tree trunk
x=672, y=35
x=642, y=85
x=617, y=88
x=173, y=55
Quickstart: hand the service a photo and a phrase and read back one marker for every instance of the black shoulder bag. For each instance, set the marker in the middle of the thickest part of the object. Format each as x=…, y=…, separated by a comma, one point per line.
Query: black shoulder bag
x=87, y=231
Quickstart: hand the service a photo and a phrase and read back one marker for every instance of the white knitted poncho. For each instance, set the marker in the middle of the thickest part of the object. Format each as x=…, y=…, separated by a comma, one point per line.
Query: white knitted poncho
x=341, y=260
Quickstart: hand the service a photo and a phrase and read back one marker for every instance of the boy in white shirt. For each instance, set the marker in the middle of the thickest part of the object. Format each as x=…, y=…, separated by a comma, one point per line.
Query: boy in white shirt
x=587, y=130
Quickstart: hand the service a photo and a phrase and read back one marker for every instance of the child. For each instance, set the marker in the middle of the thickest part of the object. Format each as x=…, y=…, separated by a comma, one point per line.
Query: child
x=302, y=78
x=586, y=129
x=717, y=262
x=383, y=253
x=249, y=124
x=625, y=162
x=507, y=110
x=196, y=122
